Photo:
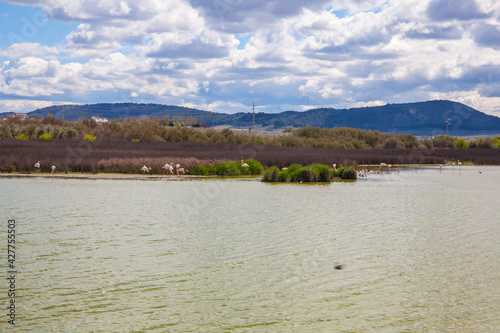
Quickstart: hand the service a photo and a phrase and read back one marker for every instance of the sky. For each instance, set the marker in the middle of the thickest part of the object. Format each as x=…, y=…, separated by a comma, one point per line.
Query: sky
x=225, y=55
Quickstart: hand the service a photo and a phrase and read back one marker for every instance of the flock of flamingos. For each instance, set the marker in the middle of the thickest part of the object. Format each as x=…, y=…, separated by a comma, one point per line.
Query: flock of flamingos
x=167, y=167
x=180, y=171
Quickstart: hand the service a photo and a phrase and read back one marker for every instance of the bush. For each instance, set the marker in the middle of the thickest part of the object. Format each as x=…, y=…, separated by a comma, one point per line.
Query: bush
x=22, y=136
x=460, y=144
x=89, y=138
x=349, y=173
x=311, y=173
x=496, y=141
x=46, y=136
x=255, y=168
x=271, y=175
x=228, y=169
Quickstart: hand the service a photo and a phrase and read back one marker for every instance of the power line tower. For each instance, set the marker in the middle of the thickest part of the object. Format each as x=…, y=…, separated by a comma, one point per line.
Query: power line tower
x=447, y=125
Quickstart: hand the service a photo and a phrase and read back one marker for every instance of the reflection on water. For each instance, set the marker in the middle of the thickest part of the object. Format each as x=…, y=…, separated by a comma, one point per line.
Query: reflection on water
x=420, y=252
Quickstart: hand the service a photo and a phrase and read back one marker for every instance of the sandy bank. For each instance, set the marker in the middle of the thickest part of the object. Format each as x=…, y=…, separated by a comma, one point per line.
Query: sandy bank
x=101, y=176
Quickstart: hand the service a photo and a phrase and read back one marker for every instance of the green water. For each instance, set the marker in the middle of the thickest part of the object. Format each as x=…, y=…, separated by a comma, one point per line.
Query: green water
x=420, y=252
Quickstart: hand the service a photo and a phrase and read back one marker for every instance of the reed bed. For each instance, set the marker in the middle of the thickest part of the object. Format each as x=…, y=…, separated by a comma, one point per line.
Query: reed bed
x=113, y=155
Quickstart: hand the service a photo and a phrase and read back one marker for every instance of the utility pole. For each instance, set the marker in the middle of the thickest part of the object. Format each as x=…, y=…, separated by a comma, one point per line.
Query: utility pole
x=253, y=115
x=447, y=124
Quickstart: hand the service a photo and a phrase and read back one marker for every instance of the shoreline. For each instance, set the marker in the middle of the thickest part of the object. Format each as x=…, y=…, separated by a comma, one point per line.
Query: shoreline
x=120, y=176
x=115, y=176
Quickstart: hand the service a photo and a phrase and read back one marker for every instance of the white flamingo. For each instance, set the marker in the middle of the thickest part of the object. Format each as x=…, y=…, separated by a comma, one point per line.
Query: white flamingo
x=53, y=169
x=459, y=165
x=334, y=166
x=440, y=167
x=389, y=169
x=244, y=165
x=37, y=166
x=381, y=167
x=145, y=169
x=171, y=169
x=165, y=167
x=181, y=171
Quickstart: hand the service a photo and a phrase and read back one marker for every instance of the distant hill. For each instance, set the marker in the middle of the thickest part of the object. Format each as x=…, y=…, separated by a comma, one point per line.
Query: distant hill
x=422, y=118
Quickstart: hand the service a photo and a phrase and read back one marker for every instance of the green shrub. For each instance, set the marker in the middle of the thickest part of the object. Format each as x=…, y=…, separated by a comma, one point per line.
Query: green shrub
x=271, y=175
x=228, y=169
x=323, y=172
x=255, y=168
x=349, y=173
x=311, y=173
x=46, y=136
x=460, y=143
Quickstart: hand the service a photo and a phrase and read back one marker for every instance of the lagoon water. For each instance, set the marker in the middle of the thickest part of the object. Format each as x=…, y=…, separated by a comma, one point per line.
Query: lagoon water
x=420, y=252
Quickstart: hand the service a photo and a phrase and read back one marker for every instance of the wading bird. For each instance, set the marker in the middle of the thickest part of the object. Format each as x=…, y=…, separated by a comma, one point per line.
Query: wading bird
x=459, y=165
x=145, y=169
x=53, y=169
x=244, y=165
x=37, y=166
x=381, y=167
x=440, y=167
x=334, y=166
x=181, y=171
x=165, y=167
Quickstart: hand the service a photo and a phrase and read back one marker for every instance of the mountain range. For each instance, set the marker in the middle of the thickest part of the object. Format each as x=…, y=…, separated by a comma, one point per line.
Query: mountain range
x=421, y=118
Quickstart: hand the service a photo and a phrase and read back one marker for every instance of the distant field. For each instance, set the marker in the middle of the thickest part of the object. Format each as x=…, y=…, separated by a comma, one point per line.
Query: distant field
x=125, y=156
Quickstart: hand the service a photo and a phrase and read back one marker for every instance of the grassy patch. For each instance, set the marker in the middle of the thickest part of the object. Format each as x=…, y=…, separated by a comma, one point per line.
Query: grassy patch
x=228, y=169
x=315, y=173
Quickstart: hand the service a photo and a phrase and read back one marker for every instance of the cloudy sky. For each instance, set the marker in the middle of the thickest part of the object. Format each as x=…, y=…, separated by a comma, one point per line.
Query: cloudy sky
x=224, y=55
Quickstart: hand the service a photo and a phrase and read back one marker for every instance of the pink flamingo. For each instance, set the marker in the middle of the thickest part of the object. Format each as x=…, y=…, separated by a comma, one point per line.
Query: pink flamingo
x=165, y=167
x=381, y=167
x=181, y=171
x=244, y=165
x=145, y=169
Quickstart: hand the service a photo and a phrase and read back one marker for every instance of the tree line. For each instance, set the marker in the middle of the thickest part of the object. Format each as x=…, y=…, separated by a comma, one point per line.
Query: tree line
x=178, y=129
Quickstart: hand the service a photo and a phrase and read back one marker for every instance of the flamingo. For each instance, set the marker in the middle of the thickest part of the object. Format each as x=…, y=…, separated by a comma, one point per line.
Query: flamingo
x=459, y=165
x=381, y=167
x=244, y=165
x=145, y=169
x=285, y=168
x=334, y=166
x=53, y=169
x=165, y=167
x=181, y=170
x=37, y=166
x=171, y=169
x=389, y=168
x=440, y=167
